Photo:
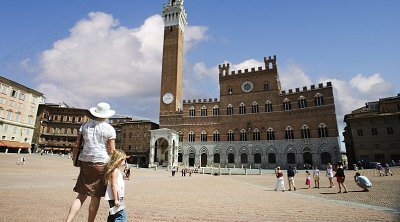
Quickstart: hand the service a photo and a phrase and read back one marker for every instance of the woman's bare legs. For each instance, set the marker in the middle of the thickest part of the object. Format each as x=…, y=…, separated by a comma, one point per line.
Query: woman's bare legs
x=76, y=206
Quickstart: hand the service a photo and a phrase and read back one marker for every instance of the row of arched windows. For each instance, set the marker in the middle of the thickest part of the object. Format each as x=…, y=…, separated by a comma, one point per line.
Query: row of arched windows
x=302, y=103
x=290, y=158
x=256, y=135
x=56, y=130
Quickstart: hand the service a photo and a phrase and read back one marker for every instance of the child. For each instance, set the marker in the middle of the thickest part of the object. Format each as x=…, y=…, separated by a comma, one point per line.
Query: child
x=308, y=179
x=115, y=186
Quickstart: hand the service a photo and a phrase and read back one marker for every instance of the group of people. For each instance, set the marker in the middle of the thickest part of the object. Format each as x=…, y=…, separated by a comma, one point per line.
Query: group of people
x=184, y=171
x=100, y=164
x=361, y=181
x=386, y=168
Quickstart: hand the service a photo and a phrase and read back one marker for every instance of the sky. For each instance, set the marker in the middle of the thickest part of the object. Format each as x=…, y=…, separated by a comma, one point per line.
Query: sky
x=84, y=52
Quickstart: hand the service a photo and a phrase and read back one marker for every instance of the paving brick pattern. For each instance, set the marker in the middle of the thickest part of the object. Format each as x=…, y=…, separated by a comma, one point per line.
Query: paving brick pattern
x=41, y=190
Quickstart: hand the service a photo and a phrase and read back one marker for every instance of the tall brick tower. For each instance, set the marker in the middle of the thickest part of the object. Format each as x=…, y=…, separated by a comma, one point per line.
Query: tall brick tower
x=174, y=16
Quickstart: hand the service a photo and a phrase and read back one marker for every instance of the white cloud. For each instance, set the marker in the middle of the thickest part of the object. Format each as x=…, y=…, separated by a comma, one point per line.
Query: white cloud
x=103, y=60
x=194, y=35
x=370, y=85
x=292, y=76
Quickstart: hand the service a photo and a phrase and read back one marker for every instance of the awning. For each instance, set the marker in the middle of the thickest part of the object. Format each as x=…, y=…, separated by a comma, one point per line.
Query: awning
x=14, y=144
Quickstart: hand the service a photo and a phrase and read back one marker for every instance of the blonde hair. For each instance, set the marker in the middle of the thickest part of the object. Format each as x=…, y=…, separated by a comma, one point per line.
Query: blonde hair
x=113, y=163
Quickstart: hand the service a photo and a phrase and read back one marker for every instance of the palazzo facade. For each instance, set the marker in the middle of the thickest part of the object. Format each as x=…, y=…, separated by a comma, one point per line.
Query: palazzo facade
x=254, y=123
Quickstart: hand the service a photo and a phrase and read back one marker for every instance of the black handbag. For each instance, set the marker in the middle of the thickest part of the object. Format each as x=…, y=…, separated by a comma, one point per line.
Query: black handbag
x=77, y=162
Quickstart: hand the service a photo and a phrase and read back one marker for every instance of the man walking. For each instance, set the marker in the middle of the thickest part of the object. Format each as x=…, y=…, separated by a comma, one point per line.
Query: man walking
x=290, y=174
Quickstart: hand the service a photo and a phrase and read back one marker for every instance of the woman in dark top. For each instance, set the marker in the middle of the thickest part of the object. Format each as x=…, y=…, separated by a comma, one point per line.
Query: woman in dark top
x=340, y=177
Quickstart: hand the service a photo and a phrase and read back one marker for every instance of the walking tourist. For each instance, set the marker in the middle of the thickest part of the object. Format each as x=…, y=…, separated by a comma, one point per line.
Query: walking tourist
x=362, y=181
x=291, y=173
x=329, y=174
x=316, y=177
x=279, y=179
x=99, y=143
x=340, y=177
x=115, y=187
x=387, y=170
x=380, y=169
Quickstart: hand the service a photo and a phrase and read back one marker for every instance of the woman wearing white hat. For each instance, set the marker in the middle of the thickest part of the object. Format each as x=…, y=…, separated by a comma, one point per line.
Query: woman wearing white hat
x=99, y=143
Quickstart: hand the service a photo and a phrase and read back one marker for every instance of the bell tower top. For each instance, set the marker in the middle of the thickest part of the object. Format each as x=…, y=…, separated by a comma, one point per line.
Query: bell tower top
x=174, y=14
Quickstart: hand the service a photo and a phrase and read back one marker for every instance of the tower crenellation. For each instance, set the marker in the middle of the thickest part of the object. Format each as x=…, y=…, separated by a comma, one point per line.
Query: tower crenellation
x=270, y=63
x=223, y=69
x=305, y=88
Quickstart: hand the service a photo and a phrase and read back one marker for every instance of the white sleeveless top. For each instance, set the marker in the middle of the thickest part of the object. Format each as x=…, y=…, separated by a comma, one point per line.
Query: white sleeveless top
x=120, y=188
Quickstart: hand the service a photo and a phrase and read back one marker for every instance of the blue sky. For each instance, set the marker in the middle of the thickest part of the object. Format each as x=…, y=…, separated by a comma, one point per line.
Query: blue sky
x=84, y=52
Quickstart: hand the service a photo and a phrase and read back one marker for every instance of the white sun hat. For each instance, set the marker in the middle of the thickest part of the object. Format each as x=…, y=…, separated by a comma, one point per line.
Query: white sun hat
x=102, y=110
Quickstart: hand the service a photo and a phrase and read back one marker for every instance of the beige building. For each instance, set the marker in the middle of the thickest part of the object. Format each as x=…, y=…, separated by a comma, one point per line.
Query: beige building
x=57, y=127
x=254, y=123
x=372, y=132
x=135, y=140
x=18, y=108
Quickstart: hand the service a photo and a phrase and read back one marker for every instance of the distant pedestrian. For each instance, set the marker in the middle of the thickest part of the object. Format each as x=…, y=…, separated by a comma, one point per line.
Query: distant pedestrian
x=308, y=179
x=316, y=177
x=387, y=170
x=340, y=177
x=380, y=169
x=173, y=171
x=291, y=173
x=363, y=182
x=329, y=174
x=115, y=191
x=279, y=179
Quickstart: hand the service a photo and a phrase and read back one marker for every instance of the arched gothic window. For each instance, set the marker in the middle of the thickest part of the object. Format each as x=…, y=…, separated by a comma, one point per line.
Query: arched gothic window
x=216, y=136
x=322, y=130
x=203, y=136
x=215, y=110
x=230, y=135
x=229, y=110
x=191, y=136
x=302, y=102
x=203, y=111
x=319, y=100
x=286, y=105
x=256, y=134
x=254, y=107
x=270, y=134
x=192, y=111
x=242, y=108
x=305, y=132
x=243, y=135
x=289, y=133
x=268, y=106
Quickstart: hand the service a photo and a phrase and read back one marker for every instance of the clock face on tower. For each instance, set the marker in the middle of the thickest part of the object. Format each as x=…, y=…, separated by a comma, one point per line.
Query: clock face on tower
x=168, y=98
x=247, y=86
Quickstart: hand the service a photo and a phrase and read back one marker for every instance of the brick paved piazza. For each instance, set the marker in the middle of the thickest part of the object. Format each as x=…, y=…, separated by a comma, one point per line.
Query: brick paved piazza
x=41, y=190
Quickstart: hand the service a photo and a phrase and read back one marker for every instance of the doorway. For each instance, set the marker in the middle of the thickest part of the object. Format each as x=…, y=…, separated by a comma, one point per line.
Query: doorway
x=203, y=159
x=191, y=159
